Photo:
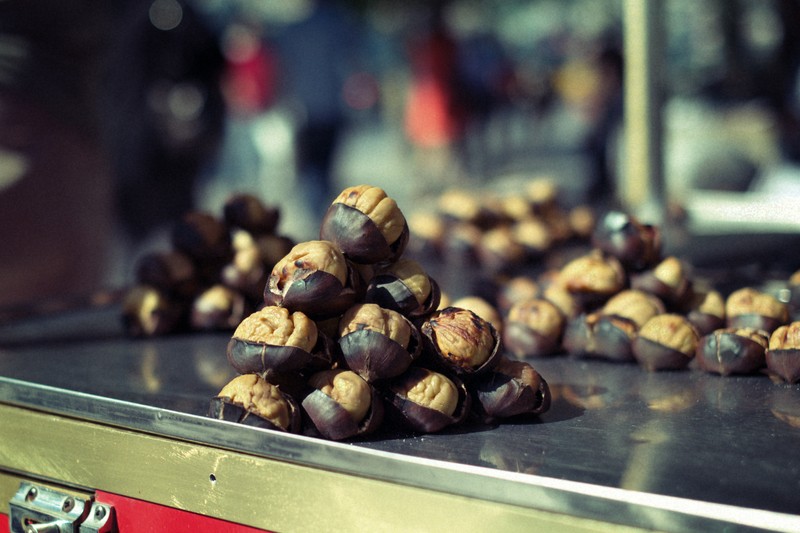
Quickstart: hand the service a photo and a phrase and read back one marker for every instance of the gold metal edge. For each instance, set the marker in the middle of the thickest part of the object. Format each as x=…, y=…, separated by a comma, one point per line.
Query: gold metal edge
x=242, y=488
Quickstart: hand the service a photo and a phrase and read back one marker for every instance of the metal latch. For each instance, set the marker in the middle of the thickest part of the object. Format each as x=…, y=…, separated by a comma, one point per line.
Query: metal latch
x=39, y=509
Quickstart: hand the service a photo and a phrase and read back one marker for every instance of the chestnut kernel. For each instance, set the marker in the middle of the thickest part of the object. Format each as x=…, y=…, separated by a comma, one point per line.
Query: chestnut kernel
x=218, y=308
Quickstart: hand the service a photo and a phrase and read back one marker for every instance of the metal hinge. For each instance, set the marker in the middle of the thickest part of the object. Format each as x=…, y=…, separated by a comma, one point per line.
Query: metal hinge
x=40, y=509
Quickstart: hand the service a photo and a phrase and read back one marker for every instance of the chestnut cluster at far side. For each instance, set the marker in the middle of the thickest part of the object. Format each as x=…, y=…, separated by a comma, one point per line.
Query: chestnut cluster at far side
x=212, y=276
x=354, y=334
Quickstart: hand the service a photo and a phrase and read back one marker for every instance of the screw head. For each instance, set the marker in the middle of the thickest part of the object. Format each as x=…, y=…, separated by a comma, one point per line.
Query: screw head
x=33, y=492
x=99, y=512
x=68, y=504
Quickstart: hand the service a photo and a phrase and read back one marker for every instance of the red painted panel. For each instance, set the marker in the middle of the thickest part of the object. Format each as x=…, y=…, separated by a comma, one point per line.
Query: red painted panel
x=5, y=523
x=138, y=516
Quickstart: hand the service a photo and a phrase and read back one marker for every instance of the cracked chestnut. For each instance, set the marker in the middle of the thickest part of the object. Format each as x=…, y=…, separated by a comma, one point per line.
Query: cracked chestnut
x=149, y=312
x=668, y=280
x=249, y=213
x=729, y=351
x=749, y=307
x=665, y=342
x=366, y=225
x=533, y=328
x=636, y=245
x=316, y=279
x=783, y=353
x=405, y=287
x=342, y=404
x=218, y=308
x=377, y=343
x=706, y=311
x=511, y=388
x=427, y=401
x=592, y=278
x=460, y=341
x=252, y=400
x=275, y=340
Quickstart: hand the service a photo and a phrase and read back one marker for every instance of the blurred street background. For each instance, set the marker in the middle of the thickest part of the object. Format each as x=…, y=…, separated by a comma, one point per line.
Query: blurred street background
x=118, y=117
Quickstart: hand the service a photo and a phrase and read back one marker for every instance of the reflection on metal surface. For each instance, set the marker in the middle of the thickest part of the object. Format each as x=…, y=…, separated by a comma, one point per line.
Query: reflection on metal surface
x=682, y=442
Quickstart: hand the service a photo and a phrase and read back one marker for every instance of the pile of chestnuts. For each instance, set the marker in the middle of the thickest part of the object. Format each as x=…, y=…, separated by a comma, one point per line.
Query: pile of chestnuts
x=212, y=276
x=495, y=232
x=624, y=301
x=351, y=337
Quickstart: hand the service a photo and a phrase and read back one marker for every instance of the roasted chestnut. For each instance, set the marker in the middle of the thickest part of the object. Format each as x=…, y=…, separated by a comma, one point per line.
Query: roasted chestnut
x=533, y=328
x=377, y=343
x=635, y=305
x=533, y=235
x=499, y=251
x=316, y=279
x=171, y=271
x=706, y=311
x=593, y=277
x=751, y=308
x=246, y=273
x=511, y=388
x=366, y=225
x=405, y=287
x=427, y=233
x=342, y=404
x=669, y=280
x=252, y=400
x=665, y=342
x=427, y=401
x=516, y=289
x=148, y=312
x=218, y=308
x=274, y=340
x=460, y=341
x=250, y=213
x=783, y=353
x=202, y=236
x=600, y=335
x=636, y=245
x=732, y=351
x=273, y=248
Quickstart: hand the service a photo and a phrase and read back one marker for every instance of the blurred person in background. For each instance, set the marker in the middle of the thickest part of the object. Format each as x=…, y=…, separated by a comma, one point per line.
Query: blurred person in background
x=435, y=115
x=317, y=53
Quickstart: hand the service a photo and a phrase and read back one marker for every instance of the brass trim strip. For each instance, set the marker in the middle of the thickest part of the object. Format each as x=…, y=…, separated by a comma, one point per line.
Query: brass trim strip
x=246, y=489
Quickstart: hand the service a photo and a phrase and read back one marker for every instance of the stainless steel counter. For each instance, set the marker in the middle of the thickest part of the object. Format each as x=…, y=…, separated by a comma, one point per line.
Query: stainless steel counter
x=674, y=451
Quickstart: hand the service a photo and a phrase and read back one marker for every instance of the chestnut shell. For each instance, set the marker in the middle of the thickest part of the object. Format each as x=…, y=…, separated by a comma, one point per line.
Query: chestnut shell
x=222, y=408
x=319, y=295
x=499, y=395
x=358, y=237
x=251, y=357
x=724, y=352
x=705, y=323
x=389, y=292
x=374, y=356
x=785, y=364
x=654, y=356
x=425, y=419
x=596, y=335
x=334, y=422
